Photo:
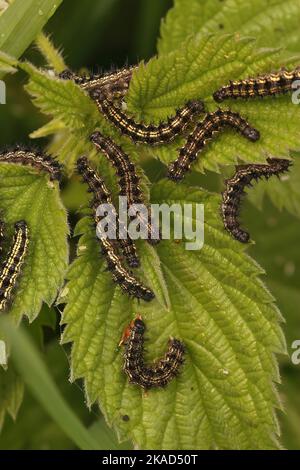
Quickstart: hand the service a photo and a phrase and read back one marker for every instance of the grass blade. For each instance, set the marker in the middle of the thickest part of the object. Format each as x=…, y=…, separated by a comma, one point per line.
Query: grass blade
x=36, y=376
x=22, y=21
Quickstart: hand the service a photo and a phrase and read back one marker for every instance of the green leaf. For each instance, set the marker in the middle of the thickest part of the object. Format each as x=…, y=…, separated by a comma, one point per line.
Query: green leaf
x=52, y=127
x=61, y=99
x=224, y=397
x=11, y=393
x=22, y=21
x=7, y=63
x=34, y=428
x=272, y=22
x=75, y=118
x=74, y=114
x=26, y=195
x=68, y=148
x=196, y=70
x=53, y=56
x=41, y=384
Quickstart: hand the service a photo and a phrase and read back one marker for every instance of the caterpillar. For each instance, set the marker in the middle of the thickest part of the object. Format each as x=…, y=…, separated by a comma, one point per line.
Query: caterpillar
x=231, y=197
x=103, y=196
x=203, y=132
x=121, y=276
x=128, y=178
x=148, y=376
x=104, y=89
x=148, y=133
x=111, y=85
x=264, y=85
x=34, y=158
x=11, y=267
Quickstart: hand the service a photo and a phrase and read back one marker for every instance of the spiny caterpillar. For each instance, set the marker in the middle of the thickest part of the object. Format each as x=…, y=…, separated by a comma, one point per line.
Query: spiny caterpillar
x=11, y=267
x=235, y=191
x=148, y=133
x=203, y=132
x=111, y=85
x=264, y=85
x=147, y=376
x=120, y=275
x=128, y=178
x=101, y=195
x=34, y=158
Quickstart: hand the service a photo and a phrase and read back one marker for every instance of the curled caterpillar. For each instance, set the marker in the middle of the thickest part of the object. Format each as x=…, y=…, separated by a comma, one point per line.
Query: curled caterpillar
x=111, y=85
x=33, y=158
x=120, y=274
x=264, y=85
x=128, y=178
x=11, y=267
x=147, y=376
x=149, y=133
x=235, y=191
x=102, y=196
x=203, y=132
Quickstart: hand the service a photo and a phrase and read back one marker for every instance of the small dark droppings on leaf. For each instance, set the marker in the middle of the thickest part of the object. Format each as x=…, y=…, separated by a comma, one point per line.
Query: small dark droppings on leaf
x=221, y=26
x=192, y=389
x=125, y=418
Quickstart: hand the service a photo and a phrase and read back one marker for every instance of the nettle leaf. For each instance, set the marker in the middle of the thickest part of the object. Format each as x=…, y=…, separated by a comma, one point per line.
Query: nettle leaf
x=53, y=56
x=7, y=63
x=196, y=71
x=74, y=114
x=61, y=99
x=26, y=195
x=272, y=22
x=216, y=303
x=11, y=393
x=75, y=117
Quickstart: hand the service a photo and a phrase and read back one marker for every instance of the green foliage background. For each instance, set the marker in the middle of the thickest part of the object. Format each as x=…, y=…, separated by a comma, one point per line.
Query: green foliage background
x=213, y=299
